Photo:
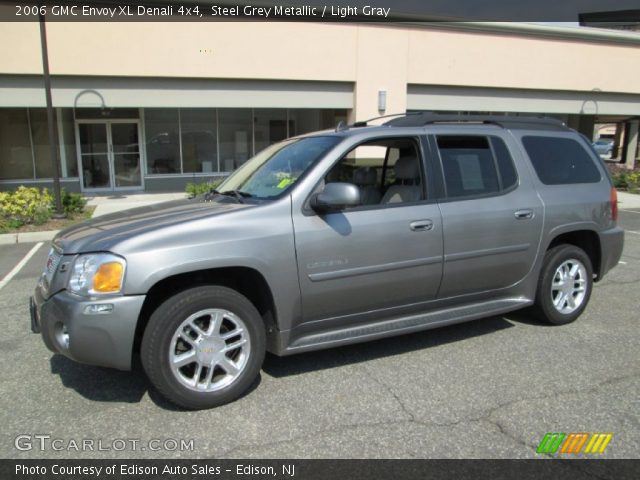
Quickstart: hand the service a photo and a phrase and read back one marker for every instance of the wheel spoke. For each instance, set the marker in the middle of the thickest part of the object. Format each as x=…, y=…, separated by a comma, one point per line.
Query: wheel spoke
x=209, y=376
x=198, y=372
x=234, y=345
x=228, y=366
x=183, y=359
x=187, y=339
x=197, y=329
x=233, y=333
x=571, y=301
x=574, y=270
x=560, y=300
x=215, y=323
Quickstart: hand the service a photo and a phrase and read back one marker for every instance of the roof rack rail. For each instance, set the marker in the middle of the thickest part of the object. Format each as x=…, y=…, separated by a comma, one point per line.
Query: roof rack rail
x=364, y=123
x=419, y=119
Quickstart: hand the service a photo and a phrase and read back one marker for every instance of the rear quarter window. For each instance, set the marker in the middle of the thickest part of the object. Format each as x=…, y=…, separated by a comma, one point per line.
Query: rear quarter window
x=560, y=161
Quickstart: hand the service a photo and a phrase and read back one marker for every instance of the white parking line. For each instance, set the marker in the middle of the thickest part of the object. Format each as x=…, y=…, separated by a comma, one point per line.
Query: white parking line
x=632, y=231
x=630, y=211
x=19, y=266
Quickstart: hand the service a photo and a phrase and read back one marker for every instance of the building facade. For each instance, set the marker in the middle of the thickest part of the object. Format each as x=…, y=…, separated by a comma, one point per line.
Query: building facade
x=152, y=106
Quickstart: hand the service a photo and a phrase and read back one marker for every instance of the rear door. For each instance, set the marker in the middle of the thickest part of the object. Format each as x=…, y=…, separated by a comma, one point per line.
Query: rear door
x=492, y=215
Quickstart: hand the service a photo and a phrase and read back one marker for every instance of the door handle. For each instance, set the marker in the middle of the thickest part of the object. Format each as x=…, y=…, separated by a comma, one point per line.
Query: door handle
x=524, y=214
x=421, y=225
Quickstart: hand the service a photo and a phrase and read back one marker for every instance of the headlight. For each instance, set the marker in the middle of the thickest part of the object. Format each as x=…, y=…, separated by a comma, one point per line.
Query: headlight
x=97, y=274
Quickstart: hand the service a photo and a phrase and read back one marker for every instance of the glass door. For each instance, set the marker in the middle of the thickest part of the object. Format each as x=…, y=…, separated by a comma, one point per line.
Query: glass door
x=94, y=156
x=109, y=155
x=125, y=155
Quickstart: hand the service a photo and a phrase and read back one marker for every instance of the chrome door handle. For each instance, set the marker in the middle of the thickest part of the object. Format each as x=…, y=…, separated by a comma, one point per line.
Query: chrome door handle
x=421, y=225
x=524, y=214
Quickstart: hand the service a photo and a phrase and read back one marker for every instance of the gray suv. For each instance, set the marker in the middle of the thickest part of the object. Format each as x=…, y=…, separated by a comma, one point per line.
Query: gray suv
x=334, y=238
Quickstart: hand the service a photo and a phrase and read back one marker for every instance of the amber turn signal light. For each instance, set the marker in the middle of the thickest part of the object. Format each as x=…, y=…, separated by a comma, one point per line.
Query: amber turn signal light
x=108, y=278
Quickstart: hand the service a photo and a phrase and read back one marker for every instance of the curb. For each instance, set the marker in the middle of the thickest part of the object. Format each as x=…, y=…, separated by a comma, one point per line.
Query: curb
x=27, y=237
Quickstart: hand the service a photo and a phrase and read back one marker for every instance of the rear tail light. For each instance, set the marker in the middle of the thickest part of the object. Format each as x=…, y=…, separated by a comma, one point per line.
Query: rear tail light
x=613, y=199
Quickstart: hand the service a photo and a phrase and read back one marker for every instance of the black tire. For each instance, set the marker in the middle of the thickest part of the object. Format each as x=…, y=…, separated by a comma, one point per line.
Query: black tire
x=159, y=335
x=544, y=307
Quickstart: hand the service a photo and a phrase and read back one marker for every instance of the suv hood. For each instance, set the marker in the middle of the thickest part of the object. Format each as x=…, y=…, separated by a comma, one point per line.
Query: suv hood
x=101, y=233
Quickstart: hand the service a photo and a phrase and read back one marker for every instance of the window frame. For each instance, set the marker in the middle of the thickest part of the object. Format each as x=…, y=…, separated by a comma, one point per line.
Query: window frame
x=427, y=183
x=439, y=165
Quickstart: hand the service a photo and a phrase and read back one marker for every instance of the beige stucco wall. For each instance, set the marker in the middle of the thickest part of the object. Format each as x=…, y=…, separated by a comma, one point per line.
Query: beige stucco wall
x=373, y=57
x=503, y=60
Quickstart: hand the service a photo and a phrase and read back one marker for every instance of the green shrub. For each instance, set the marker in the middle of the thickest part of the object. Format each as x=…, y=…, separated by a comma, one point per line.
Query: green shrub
x=624, y=178
x=72, y=202
x=195, y=189
x=25, y=205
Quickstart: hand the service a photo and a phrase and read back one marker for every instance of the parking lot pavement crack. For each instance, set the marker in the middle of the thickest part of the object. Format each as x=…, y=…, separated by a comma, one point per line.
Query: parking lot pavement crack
x=410, y=416
x=505, y=432
x=487, y=415
x=607, y=283
x=306, y=436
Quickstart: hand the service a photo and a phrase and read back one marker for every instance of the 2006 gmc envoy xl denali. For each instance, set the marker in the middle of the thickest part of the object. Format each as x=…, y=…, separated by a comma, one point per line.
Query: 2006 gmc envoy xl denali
x=333, y=238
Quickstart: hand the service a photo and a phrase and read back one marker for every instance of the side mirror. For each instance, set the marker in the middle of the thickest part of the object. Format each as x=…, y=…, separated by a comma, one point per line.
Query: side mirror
x=336, y=196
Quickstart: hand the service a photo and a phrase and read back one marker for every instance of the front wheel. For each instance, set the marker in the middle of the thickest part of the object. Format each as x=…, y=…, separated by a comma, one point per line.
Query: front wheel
x=203, y=347
x=564, y=286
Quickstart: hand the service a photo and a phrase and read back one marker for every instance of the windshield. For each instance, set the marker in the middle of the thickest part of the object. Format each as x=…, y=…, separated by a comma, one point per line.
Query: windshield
x=277, y=168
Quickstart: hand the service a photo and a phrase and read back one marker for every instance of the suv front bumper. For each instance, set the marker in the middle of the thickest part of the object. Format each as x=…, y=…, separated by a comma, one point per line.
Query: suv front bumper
x=104, y=339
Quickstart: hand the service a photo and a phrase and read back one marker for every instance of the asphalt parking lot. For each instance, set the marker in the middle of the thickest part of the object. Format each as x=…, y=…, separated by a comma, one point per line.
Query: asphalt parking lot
x=487, y=389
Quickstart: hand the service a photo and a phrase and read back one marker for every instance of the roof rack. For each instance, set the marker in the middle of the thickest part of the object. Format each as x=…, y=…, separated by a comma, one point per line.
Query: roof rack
x=419, y=119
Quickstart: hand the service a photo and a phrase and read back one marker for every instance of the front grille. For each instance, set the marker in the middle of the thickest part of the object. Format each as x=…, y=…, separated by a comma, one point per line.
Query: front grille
x=53, y=260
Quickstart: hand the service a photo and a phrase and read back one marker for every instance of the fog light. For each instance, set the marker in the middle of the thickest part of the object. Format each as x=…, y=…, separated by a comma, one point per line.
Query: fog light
x=98, y=308
x=62, y=335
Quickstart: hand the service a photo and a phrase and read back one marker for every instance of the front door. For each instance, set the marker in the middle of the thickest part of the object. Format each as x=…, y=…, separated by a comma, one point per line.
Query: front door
x=109, y=155
x=378, y=260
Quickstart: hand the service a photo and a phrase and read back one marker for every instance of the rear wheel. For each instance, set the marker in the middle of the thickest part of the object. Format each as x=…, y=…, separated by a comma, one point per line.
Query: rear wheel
x=203, y=347
x=564, y=286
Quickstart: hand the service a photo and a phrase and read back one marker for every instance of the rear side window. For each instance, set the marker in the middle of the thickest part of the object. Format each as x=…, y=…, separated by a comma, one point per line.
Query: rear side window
x=560, y=161
x=475, y=165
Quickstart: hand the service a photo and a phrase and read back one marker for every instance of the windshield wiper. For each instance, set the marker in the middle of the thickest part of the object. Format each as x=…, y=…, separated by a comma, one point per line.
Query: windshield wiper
x=209, y=195
x=238, y=194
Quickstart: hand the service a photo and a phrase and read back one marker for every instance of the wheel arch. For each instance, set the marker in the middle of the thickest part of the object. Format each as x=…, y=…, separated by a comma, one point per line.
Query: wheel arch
x=245, y=280
x=585, y=239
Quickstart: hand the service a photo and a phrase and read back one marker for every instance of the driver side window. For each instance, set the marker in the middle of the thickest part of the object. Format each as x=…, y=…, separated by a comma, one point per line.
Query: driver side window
x=386, y=171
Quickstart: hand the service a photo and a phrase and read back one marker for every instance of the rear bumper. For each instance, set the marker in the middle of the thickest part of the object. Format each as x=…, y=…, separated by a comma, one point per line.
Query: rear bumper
x=104, y=339
x=611, y=244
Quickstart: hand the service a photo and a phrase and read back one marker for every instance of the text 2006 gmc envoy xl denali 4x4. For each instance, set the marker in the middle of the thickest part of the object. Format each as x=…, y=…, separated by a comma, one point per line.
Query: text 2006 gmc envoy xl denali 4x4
x=334, y=238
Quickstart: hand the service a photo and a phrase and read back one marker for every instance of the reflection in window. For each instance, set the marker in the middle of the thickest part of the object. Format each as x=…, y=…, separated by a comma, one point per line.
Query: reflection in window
x=41, y=147
x=469, y=168
x=69, y=141
x=199, y=142
x=270, y=127
x=16, y=161
x=163, y=143
x=235, y=139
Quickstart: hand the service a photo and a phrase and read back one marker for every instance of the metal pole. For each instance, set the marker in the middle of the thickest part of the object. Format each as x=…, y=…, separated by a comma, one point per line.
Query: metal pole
x=59, y=213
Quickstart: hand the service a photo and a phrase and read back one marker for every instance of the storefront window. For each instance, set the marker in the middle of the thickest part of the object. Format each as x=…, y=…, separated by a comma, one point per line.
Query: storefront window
x=236, y=144
x=68, y=136
x=41, y=147
x=199, y=140
x=16, y=160
x=270, y=127
x=162, y=138
x=304, y=121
